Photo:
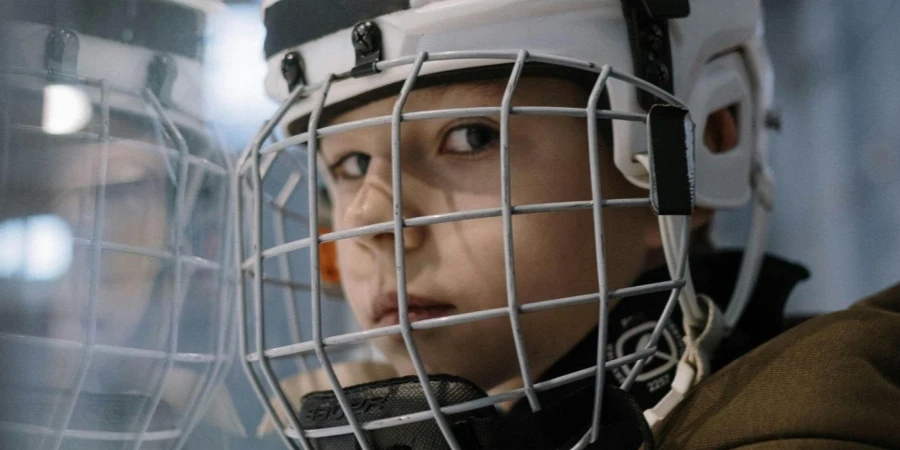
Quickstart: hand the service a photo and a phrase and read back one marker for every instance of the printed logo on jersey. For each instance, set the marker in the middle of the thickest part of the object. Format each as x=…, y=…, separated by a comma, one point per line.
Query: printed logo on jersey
x=630, y=330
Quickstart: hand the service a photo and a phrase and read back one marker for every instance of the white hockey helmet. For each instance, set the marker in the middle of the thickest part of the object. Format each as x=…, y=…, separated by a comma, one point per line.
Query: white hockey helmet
x=327, y=58
x=113, y=225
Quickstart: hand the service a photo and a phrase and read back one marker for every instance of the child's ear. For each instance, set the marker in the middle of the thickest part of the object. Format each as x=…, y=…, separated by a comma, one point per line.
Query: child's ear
x=721, y=131
x=720, y=135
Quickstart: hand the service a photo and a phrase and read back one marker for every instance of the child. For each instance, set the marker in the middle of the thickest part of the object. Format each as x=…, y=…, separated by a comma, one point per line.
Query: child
x=396, y=187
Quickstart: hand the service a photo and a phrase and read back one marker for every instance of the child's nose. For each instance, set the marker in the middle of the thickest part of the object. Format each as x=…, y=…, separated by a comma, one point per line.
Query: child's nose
x=374, y=206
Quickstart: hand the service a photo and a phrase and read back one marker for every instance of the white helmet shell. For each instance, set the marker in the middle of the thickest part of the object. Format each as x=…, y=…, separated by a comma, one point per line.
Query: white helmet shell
x=716, y=62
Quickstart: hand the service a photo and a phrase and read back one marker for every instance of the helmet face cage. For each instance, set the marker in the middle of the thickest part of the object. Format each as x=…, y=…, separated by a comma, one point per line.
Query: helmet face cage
x=269, y=266
x=123, y=346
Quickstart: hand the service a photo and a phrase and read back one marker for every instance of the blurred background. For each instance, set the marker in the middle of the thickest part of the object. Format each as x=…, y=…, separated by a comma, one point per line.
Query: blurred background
x=836, y=156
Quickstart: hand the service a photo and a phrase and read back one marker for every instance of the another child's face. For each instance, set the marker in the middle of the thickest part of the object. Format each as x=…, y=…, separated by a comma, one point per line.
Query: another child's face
x=451, y=165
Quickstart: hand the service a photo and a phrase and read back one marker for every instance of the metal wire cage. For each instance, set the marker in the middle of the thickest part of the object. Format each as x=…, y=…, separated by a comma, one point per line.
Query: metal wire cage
x=118, y=317
x=272, y=264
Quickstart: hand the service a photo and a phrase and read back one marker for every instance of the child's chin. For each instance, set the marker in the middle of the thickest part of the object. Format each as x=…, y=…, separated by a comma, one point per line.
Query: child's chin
x=427, y=342
x=435, y=347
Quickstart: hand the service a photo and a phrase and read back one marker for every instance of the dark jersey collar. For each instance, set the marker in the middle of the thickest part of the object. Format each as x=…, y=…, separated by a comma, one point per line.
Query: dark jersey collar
x=566, y=410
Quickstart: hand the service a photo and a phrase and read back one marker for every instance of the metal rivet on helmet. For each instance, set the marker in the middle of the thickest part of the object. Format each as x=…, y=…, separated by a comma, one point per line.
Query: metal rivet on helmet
x=161, y=74
x=653, y=37
x=657, y=72
x=366, y=37
x=293, y=69
x=61, y=51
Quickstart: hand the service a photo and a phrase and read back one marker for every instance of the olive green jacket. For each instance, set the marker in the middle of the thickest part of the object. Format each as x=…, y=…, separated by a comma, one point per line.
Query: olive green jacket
x=832, y=382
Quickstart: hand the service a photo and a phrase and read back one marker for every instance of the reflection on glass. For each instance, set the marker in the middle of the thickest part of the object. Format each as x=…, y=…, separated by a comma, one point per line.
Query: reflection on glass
x=67, y=109
x=37, y=248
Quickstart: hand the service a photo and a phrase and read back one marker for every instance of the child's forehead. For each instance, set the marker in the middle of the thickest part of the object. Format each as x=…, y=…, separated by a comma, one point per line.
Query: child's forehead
x=537, y=91
x=442, y=96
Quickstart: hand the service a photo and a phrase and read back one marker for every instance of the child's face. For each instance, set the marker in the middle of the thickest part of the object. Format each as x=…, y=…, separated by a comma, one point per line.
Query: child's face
x=451, y=165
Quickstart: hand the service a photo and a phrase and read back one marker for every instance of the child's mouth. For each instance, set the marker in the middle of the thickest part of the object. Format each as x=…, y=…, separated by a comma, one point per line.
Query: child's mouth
x=415, y=314
x=386, y=313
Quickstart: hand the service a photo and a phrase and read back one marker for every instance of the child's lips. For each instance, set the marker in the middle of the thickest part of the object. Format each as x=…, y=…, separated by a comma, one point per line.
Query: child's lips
x=415, y=314
x=386, y=313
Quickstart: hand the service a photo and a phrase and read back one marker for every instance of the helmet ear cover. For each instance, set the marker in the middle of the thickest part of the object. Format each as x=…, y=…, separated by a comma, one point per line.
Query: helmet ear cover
x=724, y=179
x=584, y=79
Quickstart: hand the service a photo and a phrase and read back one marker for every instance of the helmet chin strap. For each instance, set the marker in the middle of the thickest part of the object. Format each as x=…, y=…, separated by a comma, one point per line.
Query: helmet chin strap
x=763, y=198
x=704, y=325
x=670, y=228
x=694, y=366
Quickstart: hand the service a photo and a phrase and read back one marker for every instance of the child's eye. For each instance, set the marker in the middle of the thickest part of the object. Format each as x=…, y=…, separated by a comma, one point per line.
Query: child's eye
x=352, y=166
x=470, y=139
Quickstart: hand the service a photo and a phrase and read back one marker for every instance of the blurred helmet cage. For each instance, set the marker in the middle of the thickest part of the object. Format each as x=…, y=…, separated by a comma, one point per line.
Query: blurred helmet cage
x=132, y=75
x=712, y=57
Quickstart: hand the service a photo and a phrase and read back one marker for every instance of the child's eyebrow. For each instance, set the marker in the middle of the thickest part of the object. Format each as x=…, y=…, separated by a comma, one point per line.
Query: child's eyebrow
x=492, y=88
